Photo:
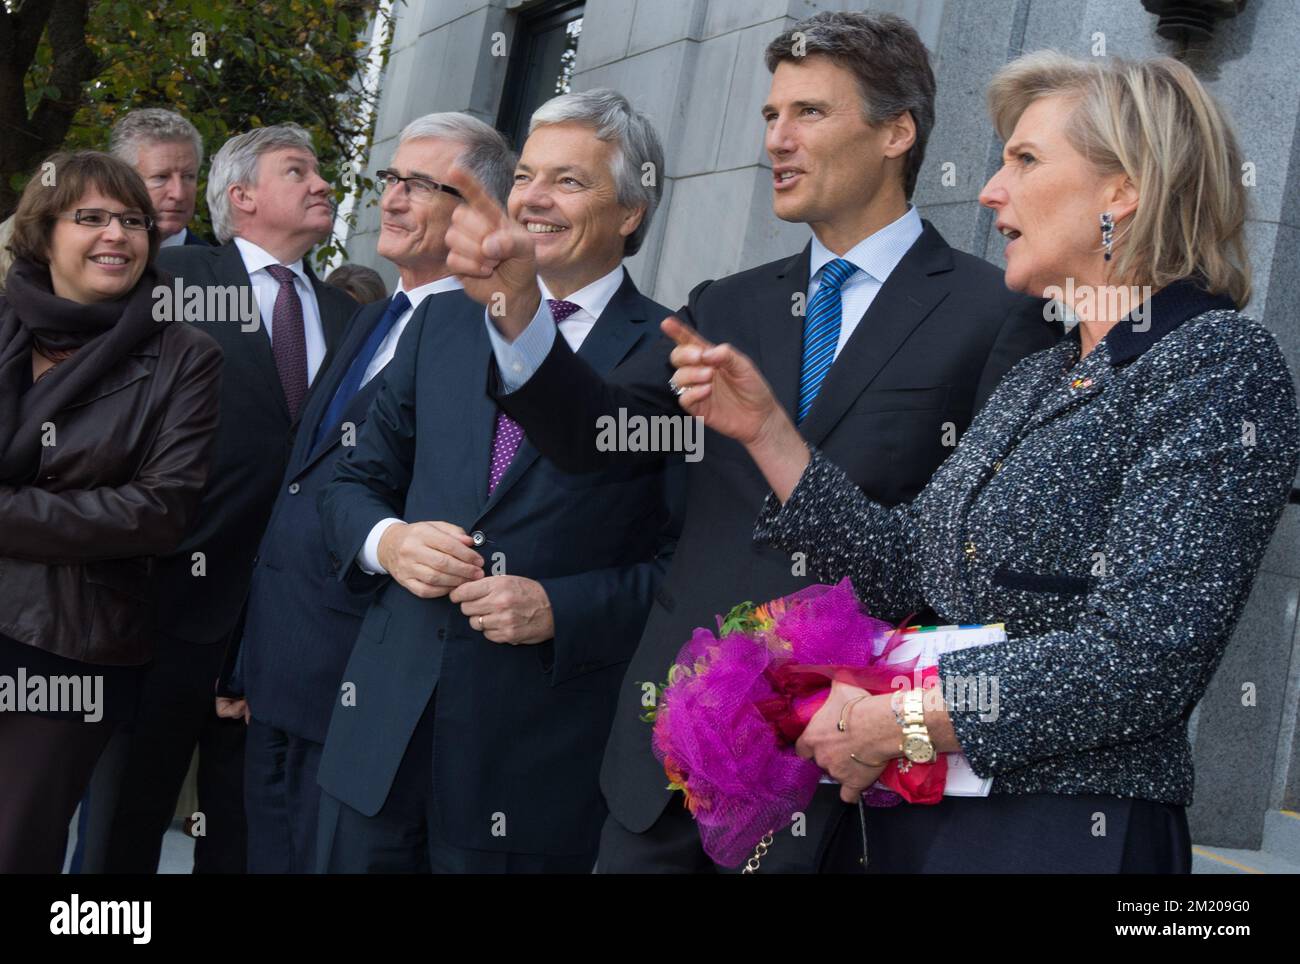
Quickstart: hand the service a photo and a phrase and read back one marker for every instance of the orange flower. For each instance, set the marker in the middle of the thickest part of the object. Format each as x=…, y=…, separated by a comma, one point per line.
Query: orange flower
x=678, y=781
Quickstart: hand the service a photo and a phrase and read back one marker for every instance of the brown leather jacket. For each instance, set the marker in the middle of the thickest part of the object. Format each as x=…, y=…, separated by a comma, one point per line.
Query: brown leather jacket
x=118, y=486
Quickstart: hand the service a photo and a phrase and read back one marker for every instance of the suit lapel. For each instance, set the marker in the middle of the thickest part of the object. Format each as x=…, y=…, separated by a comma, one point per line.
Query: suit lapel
x=329, y=379
x=780, y=337
x=333, y=322
x=912, y=290
x=620, y=326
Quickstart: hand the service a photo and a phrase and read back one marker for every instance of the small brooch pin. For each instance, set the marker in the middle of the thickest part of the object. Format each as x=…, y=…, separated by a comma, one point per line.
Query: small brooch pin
x=1081, y=383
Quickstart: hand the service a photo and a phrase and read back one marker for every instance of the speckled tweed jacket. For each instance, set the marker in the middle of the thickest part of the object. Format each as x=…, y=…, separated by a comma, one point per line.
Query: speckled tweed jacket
x=1113, y=514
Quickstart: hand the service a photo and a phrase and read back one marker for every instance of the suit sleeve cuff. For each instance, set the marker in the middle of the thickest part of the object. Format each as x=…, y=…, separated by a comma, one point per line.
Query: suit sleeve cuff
x=517, y=360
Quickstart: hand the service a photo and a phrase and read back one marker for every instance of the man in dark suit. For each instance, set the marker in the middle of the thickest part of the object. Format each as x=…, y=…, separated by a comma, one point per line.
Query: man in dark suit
x=468, y=730
x=895, y=341
x=276, y=323
x=301, y=623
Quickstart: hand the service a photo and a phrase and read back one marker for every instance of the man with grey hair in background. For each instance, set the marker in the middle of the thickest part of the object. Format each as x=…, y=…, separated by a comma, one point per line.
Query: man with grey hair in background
x=167, y=152
x=269, y=207
x=508, y=596
x=301, y=623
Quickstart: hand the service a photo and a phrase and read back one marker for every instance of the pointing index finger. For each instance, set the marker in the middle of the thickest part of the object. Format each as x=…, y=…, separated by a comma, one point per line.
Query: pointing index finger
x=475, y=195
x=683, y=334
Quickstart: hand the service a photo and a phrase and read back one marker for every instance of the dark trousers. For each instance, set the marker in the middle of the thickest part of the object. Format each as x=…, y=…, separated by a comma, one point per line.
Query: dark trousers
x=177, y=713
x=672, y=844
x=281, y=800
x=45, y=765
x=99, y=805
x=1037, y=833
x=405, y=836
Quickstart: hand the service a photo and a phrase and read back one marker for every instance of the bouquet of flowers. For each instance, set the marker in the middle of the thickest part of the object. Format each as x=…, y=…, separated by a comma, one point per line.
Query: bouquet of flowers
x=736, y=702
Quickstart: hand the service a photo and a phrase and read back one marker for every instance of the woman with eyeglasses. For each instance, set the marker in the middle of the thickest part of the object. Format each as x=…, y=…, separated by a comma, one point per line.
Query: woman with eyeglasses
x=107, y=414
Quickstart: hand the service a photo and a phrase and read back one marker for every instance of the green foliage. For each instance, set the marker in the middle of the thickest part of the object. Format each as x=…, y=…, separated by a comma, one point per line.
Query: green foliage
x=228, y=66
x=741, y=619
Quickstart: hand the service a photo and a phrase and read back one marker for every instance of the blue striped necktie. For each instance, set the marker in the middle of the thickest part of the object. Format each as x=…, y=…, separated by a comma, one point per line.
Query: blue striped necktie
x=821, y=332
x=351, y=383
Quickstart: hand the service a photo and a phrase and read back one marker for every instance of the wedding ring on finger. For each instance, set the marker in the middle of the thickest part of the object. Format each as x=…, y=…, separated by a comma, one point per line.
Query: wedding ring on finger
x=480, y=623
x=677, y=389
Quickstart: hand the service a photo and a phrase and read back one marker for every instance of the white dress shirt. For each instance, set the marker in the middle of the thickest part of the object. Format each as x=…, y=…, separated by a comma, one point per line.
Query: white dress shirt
x=174, y=240
x=256, y=261
x=591, y=302
x=388, y=347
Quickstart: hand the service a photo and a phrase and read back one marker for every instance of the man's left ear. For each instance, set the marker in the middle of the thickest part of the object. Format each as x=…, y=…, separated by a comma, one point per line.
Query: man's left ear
x=632, y=220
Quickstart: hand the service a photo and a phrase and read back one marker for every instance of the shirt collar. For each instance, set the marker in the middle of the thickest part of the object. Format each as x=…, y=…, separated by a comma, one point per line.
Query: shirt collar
x=257, y=258
x=877, y=254
x=1166, y=310
x=174, y=239
x=594, y=297
x=419, y=293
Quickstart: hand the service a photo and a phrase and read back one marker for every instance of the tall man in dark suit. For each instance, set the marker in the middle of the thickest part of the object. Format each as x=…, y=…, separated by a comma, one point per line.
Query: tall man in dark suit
x=894, y=342
x=276, y=323
x=301, y=621
x=468, y=730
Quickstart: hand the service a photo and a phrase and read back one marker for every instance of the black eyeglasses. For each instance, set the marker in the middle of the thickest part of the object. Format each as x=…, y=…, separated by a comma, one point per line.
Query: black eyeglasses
x=99, y=218
x=423, y=188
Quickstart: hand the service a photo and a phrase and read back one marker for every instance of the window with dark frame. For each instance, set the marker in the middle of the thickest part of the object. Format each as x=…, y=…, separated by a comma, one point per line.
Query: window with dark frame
x=544, y=52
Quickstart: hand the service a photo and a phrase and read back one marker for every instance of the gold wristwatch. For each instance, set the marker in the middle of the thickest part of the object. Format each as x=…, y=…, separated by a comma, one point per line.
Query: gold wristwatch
x=916, y=738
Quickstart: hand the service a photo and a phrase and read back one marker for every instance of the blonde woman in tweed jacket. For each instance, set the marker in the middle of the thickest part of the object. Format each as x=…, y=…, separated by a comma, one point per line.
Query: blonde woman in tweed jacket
x=1111, y=503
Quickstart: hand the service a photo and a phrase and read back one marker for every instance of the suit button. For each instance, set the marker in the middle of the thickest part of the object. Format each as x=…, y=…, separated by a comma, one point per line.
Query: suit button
x=970, y=551
x=997, y=466
x=478, y=537
x=294, y=488
x=442, y=634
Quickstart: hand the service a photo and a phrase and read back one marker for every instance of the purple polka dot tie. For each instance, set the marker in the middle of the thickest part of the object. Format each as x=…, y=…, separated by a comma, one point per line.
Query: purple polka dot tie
x=289, y=339
x=508, y=433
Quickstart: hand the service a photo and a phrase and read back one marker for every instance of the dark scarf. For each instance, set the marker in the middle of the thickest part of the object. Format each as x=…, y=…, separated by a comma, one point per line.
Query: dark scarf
x=101, y=334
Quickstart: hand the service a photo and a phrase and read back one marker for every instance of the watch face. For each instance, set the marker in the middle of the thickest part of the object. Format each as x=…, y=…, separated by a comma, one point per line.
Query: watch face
x=918, y=749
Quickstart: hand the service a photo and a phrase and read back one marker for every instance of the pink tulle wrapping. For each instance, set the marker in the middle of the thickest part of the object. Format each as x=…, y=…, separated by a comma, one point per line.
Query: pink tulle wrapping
x=718, y=725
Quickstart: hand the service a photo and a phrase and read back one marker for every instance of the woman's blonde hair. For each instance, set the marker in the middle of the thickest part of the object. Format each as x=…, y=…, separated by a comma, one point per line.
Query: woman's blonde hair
x=1153, y=121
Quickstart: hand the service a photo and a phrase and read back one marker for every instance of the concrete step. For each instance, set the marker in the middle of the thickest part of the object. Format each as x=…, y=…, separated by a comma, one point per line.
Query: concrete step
x=1222, y=860
x=1282, y=834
